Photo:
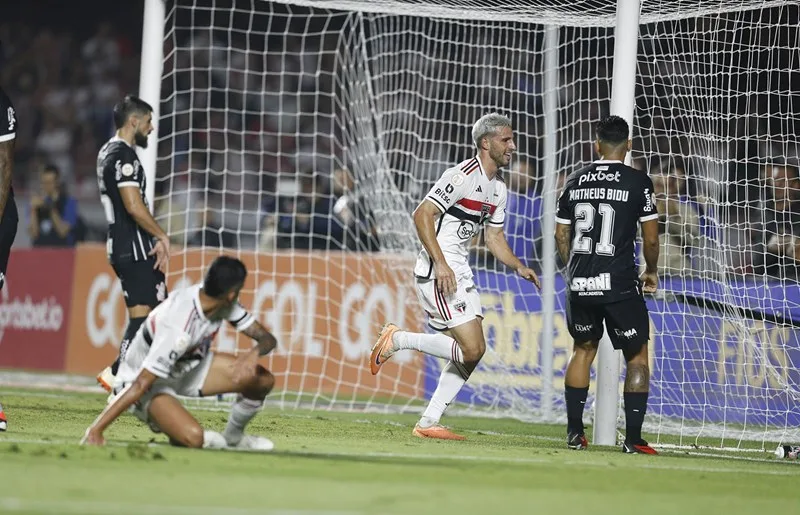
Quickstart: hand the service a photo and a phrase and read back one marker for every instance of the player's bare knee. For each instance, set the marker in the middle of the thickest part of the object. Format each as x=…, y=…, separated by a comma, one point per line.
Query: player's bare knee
x=584, y=350
x=191, y=436
x=266, y=381
x=474, y=353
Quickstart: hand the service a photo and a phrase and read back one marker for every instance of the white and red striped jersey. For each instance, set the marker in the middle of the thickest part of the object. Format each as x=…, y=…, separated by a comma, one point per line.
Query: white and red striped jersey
x=467, y=200
x=176, y=336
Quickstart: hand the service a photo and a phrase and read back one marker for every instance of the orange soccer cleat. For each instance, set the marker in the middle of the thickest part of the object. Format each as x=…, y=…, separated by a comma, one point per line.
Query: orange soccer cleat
x=3, y=420
x=437, y=432
x=383, y=348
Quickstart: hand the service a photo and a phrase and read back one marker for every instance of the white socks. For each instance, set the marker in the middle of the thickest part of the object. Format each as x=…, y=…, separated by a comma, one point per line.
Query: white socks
x=242, y=411
x=437, y=345
x=451, y=381
x=213, y=440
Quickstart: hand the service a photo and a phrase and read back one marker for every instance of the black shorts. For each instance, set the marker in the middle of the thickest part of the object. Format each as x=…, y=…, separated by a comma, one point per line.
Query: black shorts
x=8, y=231
x=142, y=285
x=627, y=322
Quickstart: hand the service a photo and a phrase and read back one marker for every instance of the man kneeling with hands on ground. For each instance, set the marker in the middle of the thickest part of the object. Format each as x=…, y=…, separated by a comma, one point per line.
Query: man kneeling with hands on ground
x=170, y=356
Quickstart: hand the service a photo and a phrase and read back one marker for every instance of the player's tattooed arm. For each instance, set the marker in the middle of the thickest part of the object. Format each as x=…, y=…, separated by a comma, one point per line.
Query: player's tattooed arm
x=265, y=339
x=6, y=167
x=562, y=241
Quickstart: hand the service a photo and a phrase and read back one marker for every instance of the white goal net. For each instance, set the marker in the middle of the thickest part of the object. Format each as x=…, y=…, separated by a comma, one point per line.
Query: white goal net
x=301, y=135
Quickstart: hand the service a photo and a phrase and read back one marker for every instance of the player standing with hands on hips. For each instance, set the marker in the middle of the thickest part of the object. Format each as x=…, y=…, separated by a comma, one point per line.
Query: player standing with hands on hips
x=137, y=247
x=596, y=225
x=465, y=198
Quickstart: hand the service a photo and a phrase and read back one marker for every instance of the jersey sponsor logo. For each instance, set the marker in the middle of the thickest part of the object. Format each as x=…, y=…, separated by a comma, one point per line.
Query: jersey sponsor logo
x=479, y=190
x=599, y=175
x=12, y=119
x=628, y=333
x=444, y=194
x=583, y=328
x=650, y=200
x=591, y=285
x=466, y=230
x=161, y=291
x=127, y=169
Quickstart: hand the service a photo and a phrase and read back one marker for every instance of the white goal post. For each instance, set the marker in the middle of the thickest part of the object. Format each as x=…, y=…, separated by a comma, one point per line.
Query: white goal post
x=300, y=134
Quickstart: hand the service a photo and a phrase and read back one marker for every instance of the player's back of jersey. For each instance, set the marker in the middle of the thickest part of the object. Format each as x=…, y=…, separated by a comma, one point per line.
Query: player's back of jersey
x=604, y=203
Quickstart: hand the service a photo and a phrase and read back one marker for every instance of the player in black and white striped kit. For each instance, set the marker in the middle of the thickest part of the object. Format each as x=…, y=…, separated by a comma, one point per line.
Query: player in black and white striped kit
x=8, y=208
x=138, y=249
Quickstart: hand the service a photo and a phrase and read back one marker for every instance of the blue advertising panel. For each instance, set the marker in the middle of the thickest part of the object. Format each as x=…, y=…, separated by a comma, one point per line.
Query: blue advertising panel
x=719, y=361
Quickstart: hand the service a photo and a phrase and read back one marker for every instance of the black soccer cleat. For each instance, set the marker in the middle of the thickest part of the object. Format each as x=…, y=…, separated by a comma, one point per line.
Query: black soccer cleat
x=640, y=447
x=577, y=441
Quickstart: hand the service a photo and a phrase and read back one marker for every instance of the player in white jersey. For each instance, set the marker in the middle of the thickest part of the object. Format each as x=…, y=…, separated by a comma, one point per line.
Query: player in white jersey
x=466, y=197
x=170, y=356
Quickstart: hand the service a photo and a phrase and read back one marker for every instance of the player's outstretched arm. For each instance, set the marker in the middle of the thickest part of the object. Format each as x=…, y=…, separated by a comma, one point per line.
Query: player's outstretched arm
x=650, y=249
x=498, y=246
x=6, y=168
x=424, y=217
x=123, y=401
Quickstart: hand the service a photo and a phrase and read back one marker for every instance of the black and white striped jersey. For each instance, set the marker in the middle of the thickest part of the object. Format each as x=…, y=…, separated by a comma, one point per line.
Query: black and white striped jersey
x=118, y=167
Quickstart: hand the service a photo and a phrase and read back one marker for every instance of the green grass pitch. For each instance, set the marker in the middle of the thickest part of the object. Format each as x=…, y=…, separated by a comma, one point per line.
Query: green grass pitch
x=330, y=462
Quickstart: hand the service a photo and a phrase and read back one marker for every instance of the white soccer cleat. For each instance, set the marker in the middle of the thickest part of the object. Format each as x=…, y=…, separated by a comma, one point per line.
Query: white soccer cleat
x=213, y=440
x=254, y=443
x=3, y=420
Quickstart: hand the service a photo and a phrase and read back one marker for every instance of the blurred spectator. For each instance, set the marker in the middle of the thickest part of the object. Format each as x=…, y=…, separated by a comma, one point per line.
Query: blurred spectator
x=211, y=233
x=304, y=216
x=359, y=232
x=523, y=225
x=54, y=215
x=782, y=228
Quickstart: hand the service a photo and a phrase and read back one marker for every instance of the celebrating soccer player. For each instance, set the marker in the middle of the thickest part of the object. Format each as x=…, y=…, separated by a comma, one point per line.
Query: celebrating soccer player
x=137, y=260
x=465, y=198
x=170, y=355
x=8, y=208
x=596, y=225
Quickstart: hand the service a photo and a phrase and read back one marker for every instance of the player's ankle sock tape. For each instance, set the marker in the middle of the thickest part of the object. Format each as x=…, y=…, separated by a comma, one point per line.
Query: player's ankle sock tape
x=635, y=409
x=576, y=400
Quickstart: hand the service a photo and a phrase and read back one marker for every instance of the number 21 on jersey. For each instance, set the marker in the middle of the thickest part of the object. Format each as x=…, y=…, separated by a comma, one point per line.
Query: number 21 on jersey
x=585, y=215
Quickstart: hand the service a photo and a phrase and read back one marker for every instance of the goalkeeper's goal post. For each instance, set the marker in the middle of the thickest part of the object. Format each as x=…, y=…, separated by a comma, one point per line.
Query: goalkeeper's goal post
x=300, y=135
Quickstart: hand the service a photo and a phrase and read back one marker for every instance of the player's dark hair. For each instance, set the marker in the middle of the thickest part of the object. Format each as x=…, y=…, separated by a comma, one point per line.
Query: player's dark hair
x=130, y=105
x=224, y=274
x=51, y=168
x=612, y=130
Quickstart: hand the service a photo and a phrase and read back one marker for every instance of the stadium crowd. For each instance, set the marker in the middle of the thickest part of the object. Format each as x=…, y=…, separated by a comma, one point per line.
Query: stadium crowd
x=249, y=159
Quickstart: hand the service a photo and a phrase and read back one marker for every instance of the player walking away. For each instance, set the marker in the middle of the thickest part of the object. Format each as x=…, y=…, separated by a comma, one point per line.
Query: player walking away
x=8, y=208
x=170, y=356
x=465, y=198
x=137, y=260
x=595, y=233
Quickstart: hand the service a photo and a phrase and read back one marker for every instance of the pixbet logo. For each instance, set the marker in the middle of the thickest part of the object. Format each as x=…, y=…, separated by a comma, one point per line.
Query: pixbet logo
x=28, y=314
x=598, y=176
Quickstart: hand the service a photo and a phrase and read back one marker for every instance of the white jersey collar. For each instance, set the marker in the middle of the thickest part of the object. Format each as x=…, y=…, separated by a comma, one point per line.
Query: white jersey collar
x=117, y=138
x=607, y=161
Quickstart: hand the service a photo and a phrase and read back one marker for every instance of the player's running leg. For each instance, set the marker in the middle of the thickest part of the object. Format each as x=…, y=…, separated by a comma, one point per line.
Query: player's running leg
x=252, y=391
x=168, y=414
x=576, y=389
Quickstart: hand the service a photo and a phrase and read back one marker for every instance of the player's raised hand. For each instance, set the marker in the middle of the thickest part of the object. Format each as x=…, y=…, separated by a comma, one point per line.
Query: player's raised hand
x=92, y=437
x=528, y=274
x=445, y=278
x=161, y=252
x=649, y=282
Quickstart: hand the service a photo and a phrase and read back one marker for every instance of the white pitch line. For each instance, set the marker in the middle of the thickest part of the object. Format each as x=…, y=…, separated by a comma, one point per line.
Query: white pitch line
x=635, y=462
x=103, y=508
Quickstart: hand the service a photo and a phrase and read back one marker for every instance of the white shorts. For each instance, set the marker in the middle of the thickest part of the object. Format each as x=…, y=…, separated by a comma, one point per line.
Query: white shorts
x=188, y=385
x=446, y=312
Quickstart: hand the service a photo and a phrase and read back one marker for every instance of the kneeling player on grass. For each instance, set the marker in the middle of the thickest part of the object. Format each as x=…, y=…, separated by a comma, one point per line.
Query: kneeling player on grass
x=170, y=356
x=596, y=228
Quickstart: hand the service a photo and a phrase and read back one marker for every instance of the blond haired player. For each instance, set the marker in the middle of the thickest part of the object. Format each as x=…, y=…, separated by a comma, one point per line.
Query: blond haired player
x=465, y=198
